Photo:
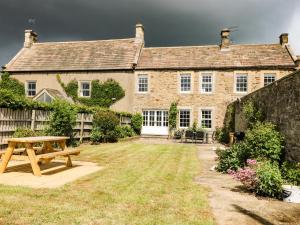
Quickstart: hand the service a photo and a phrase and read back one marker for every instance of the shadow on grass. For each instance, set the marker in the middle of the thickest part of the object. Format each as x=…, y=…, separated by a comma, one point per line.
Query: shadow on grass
x=252, y=215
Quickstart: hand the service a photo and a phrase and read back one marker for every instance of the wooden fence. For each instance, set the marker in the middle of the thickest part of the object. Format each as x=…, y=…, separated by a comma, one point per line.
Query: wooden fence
x=37, y=120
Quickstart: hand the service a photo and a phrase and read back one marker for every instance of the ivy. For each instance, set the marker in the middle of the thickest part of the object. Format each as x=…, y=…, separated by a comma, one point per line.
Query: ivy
x=252, y=113
x=102, y=94
x=11, y=84
x=173, y=115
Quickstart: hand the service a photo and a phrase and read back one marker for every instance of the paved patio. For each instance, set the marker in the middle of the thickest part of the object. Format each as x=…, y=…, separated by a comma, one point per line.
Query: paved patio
x=54, y=174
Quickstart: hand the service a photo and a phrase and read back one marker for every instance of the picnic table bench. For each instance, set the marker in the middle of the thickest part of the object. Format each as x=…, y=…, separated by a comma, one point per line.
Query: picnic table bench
x=37, y=155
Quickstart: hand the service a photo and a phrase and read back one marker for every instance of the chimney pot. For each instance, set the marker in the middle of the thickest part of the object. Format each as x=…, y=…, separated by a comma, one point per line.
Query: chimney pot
x=139, y=33
x=225, y=41
x=284, y=39
x=30, y=38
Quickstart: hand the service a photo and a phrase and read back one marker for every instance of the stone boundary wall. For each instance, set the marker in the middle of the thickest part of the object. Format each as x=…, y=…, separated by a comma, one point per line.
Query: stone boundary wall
x=280, y=103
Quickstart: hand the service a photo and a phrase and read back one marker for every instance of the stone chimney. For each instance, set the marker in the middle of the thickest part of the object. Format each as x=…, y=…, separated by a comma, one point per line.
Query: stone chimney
x=139, y=33
x=284, y=39
x=225, y=41
x=30, y=38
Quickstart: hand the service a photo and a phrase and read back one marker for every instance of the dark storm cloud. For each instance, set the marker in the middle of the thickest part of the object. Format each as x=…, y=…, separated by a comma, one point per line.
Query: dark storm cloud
x=167, y=22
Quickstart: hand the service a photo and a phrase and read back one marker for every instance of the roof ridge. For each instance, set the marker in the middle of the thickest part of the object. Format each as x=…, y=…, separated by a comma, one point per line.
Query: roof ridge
x=203, y=46
x=66, y=42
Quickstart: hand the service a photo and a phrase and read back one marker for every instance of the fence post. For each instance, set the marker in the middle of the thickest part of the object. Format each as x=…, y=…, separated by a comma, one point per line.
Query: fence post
x=81, y=127
x=32, y=120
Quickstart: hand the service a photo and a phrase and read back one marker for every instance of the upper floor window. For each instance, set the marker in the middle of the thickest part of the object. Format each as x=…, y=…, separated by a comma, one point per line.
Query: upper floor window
x=241, y=83
x=206, y=118
x=85, y=88
x=142, y=83
x=185, y=82
x=206, y=83
x=268, y=79
x=184, y=118
x=31, y=88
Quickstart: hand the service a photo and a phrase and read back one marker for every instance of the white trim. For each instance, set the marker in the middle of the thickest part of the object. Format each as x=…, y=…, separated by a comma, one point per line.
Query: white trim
x=212, y=109
x=137, y=75
x=191, y=115
x=26, y=87
x=237, y=73
x=80, y=90
x=213, y=80
x=179, y=74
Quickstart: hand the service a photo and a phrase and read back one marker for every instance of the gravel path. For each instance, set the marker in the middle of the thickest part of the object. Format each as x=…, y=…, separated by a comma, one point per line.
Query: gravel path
x=233, y=206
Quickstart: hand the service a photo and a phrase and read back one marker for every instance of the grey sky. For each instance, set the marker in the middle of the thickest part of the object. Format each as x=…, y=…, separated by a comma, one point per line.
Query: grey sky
x=167, y=22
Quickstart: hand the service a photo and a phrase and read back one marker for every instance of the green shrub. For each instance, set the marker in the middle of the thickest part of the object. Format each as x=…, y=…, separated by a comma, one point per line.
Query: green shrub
x=124, y=131
x=222, y=135
x=24, y=132
x=251, y=113
x=106, y=122
x=290, y=172
x=264, y=141
x=231, y=159
x=11, y=84
x=269, y=180
x=137, y=123
x=96, y=136
x=62, y=120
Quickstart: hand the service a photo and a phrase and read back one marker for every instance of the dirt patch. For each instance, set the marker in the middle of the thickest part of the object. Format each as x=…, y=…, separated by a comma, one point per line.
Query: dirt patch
x=232, y=205
x=54, y=174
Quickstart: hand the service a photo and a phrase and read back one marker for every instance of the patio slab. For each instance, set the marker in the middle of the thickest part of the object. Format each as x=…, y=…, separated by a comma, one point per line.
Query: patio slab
x=54, y=175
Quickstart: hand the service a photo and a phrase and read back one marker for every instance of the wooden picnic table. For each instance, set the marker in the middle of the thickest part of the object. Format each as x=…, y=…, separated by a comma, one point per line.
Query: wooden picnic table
x=47, y=152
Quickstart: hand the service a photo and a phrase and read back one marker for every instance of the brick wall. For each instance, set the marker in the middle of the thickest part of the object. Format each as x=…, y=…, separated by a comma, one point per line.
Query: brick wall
x=280, y=102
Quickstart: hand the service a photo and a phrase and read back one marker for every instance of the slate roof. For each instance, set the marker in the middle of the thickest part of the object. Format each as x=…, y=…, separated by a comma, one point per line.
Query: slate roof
x=211, y=57
x=77, y=55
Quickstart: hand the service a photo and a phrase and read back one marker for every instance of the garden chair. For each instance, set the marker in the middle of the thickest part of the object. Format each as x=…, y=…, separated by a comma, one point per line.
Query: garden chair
x=199, y=136
x=189, y=135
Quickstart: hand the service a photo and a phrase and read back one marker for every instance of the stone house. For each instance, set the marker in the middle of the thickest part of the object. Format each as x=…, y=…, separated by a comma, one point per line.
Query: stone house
x=203, y=79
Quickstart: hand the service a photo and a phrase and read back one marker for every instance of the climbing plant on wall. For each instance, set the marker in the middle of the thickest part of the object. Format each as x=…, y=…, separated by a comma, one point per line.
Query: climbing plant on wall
x=103, y=94
x=173, y=115
x=11, y=84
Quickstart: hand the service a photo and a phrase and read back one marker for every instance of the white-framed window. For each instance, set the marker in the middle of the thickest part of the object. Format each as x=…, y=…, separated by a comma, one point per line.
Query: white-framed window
x=31, y=88
x=206, y=82
x=157, y=118
x=269, y=78
x=206, y=119
x=241, y=83
x=85, y=89
x=184, y=118
x=142, y=84
x=185, y=82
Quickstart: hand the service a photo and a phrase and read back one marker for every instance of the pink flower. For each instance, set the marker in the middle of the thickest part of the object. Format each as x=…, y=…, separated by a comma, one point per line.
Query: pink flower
x=251, y=162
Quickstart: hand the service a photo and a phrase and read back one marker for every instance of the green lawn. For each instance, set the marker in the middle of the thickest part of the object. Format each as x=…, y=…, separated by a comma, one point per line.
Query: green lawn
x=141, y=184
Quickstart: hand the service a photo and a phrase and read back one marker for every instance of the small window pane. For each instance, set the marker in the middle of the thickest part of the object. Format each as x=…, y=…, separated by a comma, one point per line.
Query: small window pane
x=185, y=82
x=142, y=83
x=241, y=83
x=31, y=88
x=268, y=79
x=85, y=89
x=151, y=118
x=165, y=118
x=206, y=83
x=184, y=118
x=206, y=118
x=145, y=118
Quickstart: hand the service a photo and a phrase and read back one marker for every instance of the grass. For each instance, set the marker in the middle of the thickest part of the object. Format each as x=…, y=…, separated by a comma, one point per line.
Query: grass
x=141, y=184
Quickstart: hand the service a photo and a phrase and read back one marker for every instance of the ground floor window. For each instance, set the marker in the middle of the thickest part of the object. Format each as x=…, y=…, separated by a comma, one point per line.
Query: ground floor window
x=184, y=118
x=206, y=118
x=155, y=118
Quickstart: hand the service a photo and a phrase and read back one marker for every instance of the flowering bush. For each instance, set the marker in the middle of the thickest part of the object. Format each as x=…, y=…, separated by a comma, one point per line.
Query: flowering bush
x=247, y=175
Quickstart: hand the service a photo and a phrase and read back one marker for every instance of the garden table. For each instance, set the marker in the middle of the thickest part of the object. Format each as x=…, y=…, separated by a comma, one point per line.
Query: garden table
x=47, y=151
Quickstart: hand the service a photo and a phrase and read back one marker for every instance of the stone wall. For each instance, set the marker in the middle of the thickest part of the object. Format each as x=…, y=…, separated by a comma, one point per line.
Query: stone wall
x=164, y=89
x=280, y=103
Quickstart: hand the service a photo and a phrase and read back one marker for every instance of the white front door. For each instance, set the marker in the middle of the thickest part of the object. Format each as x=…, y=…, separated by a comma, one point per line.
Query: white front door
x=155, y=122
